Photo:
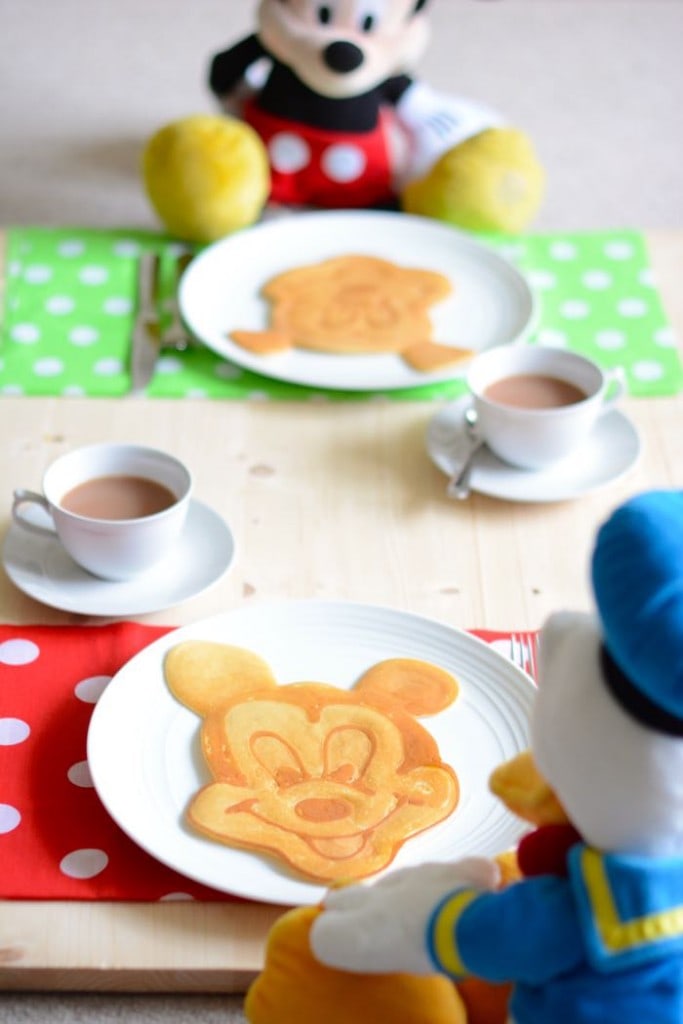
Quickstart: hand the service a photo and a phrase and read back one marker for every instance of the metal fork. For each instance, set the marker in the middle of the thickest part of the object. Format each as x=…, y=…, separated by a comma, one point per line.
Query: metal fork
x=176, y=335
x=523, y=652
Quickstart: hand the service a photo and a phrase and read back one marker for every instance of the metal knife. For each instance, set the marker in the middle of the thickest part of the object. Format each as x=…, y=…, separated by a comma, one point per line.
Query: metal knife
x=146, y=338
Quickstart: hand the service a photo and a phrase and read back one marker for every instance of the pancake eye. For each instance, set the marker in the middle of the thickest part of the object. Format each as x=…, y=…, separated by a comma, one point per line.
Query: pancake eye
x=368, y=23
x=325, y=14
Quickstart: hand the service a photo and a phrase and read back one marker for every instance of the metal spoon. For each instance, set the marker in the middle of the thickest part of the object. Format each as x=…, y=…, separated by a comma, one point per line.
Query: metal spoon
x=459, y=484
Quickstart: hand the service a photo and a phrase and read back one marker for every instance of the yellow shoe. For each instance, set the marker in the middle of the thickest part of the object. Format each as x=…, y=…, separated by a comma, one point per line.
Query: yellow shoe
x=206, y=176
x=491, y=182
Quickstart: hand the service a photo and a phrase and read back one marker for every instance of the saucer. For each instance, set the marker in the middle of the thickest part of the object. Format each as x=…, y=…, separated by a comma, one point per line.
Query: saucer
x=612, y=448
x=43, y=570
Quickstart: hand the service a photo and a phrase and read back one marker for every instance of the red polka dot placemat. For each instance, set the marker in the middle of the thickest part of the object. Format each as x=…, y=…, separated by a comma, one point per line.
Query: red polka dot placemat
x=57, y=841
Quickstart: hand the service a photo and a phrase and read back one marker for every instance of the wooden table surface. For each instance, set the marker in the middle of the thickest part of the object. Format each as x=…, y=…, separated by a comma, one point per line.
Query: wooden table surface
x=327, y=501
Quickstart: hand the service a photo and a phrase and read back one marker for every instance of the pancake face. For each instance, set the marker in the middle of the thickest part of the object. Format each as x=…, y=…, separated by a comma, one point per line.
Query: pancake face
x=330, y=782
x=355, y=305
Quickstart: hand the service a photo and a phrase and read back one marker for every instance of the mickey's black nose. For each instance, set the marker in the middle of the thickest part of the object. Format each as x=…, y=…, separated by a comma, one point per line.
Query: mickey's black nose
x=343, y=57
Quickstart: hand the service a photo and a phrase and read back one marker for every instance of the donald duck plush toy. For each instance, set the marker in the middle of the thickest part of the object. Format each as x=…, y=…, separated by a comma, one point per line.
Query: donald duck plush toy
x=602, y=939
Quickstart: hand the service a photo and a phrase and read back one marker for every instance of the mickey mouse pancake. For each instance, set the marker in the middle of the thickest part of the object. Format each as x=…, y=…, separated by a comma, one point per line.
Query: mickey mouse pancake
x=330, y=782
x=355, y=305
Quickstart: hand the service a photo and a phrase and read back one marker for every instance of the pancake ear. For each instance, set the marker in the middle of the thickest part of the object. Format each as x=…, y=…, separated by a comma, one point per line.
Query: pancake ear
x=417, y=687
x=204, y=675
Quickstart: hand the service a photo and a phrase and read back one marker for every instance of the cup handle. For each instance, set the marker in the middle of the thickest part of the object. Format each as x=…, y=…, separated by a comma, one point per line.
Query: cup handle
x=23, y=497
x=615, y=387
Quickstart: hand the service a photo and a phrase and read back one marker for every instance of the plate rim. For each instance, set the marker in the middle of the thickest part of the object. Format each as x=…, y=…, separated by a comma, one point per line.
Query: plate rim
x=402, y=221
x=306, y=892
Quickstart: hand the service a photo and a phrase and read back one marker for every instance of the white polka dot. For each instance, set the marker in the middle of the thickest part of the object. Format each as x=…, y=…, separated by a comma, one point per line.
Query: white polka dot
x=14, y=268
x=79, y=775
x=74, y=390
x=83, y=863
x=665, y=338
x=647, y=370
x=25, y=334
x=169, y=365
x=108, y=367
x=118, y=305
x=563, y=251
x=83, y=336
x=48, y=367
x=344, y=163
x=11, y=389
x=13, y=731
x=195, y=393
x=9, y=818
x=543, y=279
x=552, y=338
x=597, y=280
x=175, y=897
x=126, y=248
x=647, y=277
x=289, y=153
x=610, y=339
x=37, y=273
x=575, y=309
x=259, y=396
x=18, y=652
x=90, y=690
x=632, y=308
x=71, y=247
x=60, y=305
x=94, y=275
x=619, y=250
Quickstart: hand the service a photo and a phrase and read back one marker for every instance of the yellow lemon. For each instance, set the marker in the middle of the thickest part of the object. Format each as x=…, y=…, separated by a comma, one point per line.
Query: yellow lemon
x=491, y=182
x=206, y=176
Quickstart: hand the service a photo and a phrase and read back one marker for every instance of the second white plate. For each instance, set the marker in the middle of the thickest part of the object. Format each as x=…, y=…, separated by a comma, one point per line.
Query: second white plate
x=148, y=790
x=492, y=303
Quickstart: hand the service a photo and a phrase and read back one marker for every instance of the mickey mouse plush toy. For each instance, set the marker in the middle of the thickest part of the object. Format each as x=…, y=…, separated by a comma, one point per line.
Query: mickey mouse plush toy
x=346, y=125
x=324, y=111
x=602, y=943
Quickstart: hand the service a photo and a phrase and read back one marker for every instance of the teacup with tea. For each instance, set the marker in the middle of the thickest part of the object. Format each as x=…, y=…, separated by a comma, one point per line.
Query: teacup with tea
x=117, y=509
x=536, y=404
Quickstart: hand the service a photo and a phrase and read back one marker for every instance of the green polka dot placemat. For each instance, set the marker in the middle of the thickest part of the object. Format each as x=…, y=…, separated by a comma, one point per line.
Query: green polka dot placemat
x=70, y=302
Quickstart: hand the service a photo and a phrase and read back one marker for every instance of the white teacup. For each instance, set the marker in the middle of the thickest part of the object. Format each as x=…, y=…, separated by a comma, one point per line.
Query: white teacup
x=117, y=509
x=535, y=405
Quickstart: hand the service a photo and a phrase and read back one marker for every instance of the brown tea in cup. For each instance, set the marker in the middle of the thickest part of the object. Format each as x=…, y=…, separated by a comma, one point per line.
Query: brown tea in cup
x=118, y=497
x=534, y=391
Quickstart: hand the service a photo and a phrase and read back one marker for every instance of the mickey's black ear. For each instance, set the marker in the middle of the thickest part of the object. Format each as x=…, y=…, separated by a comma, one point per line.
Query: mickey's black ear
x=420, y=4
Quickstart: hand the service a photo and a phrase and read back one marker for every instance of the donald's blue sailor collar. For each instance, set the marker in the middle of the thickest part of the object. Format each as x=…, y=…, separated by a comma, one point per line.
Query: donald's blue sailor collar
x=630, y=907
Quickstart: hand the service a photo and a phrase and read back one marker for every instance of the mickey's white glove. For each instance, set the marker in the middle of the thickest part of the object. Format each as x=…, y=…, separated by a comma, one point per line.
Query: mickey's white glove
x=382, y=928
x=436, y=123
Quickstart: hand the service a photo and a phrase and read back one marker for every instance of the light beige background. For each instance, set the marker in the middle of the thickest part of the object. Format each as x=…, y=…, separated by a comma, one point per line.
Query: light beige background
x=598, y=84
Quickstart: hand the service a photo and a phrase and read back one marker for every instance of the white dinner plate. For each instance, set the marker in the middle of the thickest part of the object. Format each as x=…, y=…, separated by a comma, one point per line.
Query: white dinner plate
x=612, y=448
x=42, y=569
x=148, y=790
x=492, y=303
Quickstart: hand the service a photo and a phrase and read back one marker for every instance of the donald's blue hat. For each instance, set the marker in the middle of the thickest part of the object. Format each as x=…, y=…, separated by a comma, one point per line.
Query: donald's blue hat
x=637, y=573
